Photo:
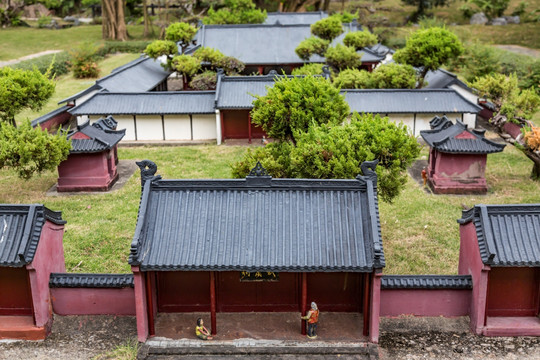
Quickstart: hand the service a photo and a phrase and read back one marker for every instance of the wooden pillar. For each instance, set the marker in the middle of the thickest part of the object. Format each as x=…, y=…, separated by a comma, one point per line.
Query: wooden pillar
x=150, y=304
x=365, y=307
x=213, y=302
x=304, y=301
x=222, y=126
x=261, y=69
x=249, y=127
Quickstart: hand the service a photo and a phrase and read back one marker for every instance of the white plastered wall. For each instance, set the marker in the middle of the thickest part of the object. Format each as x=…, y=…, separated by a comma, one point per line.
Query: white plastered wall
x=177, y=127
x=149, y=127
x=406, y=119
x=204, y=126
x=126, y=122
x=469, y=119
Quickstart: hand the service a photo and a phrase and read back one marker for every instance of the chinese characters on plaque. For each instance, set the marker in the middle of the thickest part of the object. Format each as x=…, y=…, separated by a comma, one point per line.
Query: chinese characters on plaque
x=259, y=276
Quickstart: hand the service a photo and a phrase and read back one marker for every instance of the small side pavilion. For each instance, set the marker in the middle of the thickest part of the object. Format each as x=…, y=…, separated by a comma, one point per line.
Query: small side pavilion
x=457, y=157
x=257, y=245
x=30, y=250
x=93, y=158
x=500, y=249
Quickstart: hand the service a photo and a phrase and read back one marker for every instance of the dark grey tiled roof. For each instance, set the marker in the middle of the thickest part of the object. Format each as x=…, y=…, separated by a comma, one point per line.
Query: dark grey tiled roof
x=442, y=79
x=369, y=55
x=508, y=235
x=388, y=101
x=64, y=280
x=443, y=137
x=258, y=223
x=50, y=115
x=236, y=92
x=309, y=17
x=426, y=282
x=167, y=102
x=140, y=75
x=261, y=44
x=20, y=230
x=99, y=139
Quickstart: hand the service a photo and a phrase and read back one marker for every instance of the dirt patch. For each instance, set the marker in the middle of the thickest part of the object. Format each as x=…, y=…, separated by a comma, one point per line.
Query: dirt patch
x=439, y=338
x=520, y=50
x=74, y=338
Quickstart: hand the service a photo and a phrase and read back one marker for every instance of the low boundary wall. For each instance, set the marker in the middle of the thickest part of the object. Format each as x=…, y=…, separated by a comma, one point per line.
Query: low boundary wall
x=426, y=295
x=92, y=294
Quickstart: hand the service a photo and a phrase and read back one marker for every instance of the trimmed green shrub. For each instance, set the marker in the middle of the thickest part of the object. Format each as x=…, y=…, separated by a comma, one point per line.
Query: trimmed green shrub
x=310, y=46
x=360, y=39
x=394, y=76
x=84, y=61
x=342, y=57
x=57, y=63
x=353, y=79
x=236, y=12
x=204, y=81
x=161, y=47
x=328, y=28
x=210, y=55
x=230, y=65
x=186, y=64
x=309, y=69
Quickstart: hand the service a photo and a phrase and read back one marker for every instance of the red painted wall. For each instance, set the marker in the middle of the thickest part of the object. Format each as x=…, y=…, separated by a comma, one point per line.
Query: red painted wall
x=181, y=291
x=457, y=173
x=513, y=291
x=424, y=302
x=49, y=258
x=235, y=124
x=88, y=172
x=93, y=301
x=15, y=295
x=336, y=291
x=470, y=263
x=56, y=121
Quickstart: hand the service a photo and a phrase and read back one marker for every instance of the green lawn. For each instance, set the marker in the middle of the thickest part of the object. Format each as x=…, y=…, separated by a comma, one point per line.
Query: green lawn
x=21, y=41
x=419, y=230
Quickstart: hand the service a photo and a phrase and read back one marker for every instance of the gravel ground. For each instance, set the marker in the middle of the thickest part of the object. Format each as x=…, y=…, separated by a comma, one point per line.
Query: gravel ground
x=74, y=338
x=410, y=338
x=407, y=338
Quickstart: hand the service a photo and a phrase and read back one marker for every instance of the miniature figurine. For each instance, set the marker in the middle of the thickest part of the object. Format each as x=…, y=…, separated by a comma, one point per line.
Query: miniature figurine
x=312, y=318
x=201, y=331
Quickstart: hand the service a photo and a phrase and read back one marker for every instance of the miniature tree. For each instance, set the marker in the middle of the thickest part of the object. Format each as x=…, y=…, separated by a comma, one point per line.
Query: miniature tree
x=516, y=106
x=429, y=49
x=23, y=89
x=236, y=12
x=354, y=79
x=343, y=57
x=309, y=69
x=328, y=28
x=180, y=33
x=30, y=151
x=310, y=46
x=294, y=104
x=394, y=76
x=423, y=6
x=360, y=39
x=204, y=81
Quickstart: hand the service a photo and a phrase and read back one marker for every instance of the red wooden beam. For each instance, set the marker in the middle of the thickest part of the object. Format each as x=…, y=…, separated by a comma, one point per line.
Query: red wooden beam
x=222, y=126
x=150, y=305
x=366, y=304
x=213, y=302
x=249, y=127
x=304, y=301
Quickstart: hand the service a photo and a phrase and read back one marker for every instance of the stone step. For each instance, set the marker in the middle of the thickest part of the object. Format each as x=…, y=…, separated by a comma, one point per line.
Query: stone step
x=255, y=349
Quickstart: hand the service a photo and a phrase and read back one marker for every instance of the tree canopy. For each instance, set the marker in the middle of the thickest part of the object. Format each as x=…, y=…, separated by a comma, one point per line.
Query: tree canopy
x=22, y=89
x=292, y=104
x=515, y=106
x=423, y=5
x=236, y=12
x=385, y=76
x=429, y=49
x=30, y=151
x=360, y=39
x=308, y=119
x=328, y=28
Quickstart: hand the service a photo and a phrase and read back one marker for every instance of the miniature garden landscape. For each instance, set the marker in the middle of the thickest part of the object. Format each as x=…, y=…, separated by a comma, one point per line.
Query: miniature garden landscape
x=216, y=137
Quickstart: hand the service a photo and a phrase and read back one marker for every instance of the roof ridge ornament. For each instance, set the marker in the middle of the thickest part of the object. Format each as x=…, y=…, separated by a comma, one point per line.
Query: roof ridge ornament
x=148, y=171
x=368, y=170
x=258, y=170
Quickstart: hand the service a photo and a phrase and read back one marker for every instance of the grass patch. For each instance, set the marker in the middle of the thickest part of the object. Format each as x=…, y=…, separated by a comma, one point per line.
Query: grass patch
x=21, y=41
x=126, y=351
x=67, y=85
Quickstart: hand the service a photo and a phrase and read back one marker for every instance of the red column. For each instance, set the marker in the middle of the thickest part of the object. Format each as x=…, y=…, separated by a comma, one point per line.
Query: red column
x=249, y=127
x=150, y=304
x=261, y=70
x=304, y=301
x=222, y=126
x=366, y=304
x=213, y=302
